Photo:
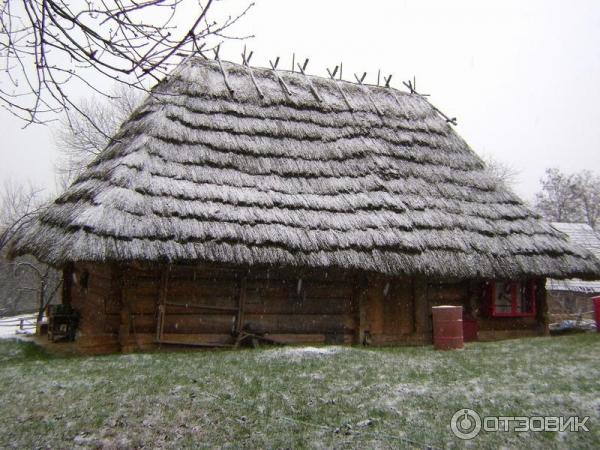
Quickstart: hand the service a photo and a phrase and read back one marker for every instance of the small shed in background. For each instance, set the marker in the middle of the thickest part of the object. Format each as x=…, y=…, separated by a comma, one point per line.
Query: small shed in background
x=574, y=296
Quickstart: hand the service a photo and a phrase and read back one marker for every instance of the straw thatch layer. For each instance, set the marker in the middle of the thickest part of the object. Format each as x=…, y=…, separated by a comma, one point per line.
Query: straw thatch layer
x=329, y=174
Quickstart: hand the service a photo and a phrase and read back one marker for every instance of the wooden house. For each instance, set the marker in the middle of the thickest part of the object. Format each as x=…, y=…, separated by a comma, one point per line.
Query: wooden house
x=305, y=209
x=574, y=296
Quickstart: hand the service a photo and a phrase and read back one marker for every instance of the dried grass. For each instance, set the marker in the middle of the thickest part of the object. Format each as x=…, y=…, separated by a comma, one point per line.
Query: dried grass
x=199, y=174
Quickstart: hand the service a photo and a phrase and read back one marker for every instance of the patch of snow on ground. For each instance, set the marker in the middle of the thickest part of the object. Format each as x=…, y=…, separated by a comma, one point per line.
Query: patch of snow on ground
x=10, y=327
x=300, y=352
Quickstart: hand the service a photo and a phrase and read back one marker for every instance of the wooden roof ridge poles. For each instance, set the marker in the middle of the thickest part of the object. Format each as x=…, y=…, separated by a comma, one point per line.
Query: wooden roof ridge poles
x=332, y=76
x=368, y=93
x=412, y=87
x=284, y=86
x=225, y=79
x=246, y=63
x=312, y=88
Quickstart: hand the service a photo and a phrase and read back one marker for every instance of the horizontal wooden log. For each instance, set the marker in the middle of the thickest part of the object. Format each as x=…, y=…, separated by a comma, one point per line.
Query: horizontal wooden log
x=218, y=288
x=494, y=335
x=300, y=323
x=451, y=293
x=317, y=338
x=143, y=305
x=202, y=338
x=188, y=323
x=508, y=323
x=401, y=339
x=270, y=305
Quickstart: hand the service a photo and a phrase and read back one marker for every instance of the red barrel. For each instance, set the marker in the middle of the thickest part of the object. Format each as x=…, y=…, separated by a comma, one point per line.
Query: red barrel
x=447, y=327
x=596, y=301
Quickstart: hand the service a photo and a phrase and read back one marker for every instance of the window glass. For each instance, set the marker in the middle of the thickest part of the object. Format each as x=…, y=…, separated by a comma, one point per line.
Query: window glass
x=503, y=300
x=525, y=298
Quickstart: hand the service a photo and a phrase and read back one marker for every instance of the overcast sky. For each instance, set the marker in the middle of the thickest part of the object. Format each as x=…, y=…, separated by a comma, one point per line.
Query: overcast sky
x=523, y=78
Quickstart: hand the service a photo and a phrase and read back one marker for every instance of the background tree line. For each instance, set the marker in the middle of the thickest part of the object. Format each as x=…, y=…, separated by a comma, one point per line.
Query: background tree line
x=570, y=197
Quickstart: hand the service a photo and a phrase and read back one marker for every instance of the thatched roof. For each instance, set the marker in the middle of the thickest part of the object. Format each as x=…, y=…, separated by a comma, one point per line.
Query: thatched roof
x=583, y=235
x=229, y=167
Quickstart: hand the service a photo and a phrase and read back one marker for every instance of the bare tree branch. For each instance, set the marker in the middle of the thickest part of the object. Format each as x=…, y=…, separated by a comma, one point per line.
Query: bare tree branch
x=502, y=173
x=45, y=45
x=80, y=138
x=19, y=204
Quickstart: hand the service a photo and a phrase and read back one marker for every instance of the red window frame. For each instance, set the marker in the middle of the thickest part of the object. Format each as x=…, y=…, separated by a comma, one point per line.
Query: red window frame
x=531, y=291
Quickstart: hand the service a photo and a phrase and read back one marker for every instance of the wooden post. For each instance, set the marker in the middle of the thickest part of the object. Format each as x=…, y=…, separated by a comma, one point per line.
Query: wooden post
x=421, y=302
x=376, y=309
x=116, y=290
x=241, y=303
x=67, y=283
x=542, y=317
x=125, y=326
x=360, y=297
x=162, y=299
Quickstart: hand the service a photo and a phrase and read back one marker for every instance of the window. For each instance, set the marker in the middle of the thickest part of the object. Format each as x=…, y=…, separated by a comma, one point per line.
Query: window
x=512, y=298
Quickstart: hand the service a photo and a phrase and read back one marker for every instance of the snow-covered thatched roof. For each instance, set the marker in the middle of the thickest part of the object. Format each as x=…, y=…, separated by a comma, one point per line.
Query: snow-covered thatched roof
x=228, y=164
x=583, y=235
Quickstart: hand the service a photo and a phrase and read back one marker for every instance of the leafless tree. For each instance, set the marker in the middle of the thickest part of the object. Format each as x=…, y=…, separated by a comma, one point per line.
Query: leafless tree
x=45, y=284
x=587, y=189
x=24, y=282
x=19, y=204
x=559, y=199
x=47, y=44
x=504, y=174
x=83, y=137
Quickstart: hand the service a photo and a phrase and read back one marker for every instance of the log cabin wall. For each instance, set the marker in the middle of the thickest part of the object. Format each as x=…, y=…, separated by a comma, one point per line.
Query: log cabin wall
x=90, y=289
x=396, y=311
x=208, y=305
x=139, y=307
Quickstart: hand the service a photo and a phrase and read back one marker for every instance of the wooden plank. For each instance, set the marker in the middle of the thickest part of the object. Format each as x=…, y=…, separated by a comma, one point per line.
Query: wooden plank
x=67, y=287
x=193, y=343
x=195, y=307
x=448, y=293
x=361, y=296
x=401, y=339
x=375, y=316
x=421, y=306
x=398, y=307
x=189, y=324
x=204, y=288
x=300, y=323
x=508, y=323
x=279, y=305
x=241, y=305
x=164, y=286
x=542, y=315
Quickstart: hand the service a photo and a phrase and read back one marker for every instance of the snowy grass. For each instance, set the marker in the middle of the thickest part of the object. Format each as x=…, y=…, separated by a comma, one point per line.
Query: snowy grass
x=291, y=397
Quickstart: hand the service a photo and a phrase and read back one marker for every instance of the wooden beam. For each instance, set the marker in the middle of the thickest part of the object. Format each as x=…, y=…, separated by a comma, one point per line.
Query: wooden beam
x=116, y=290
x=162, y=299
x=193, y=344
x=67, y=283
x=422, y=320
x=197, y=306
x=543, y=318
x=239, y=325
x=361, y=296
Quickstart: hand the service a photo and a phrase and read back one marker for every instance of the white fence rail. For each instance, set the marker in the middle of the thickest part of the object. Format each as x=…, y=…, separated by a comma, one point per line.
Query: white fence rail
x=22, y=324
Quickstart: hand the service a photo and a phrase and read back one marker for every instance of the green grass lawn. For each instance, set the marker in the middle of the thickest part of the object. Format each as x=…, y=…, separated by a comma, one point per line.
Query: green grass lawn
x=286, y=397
